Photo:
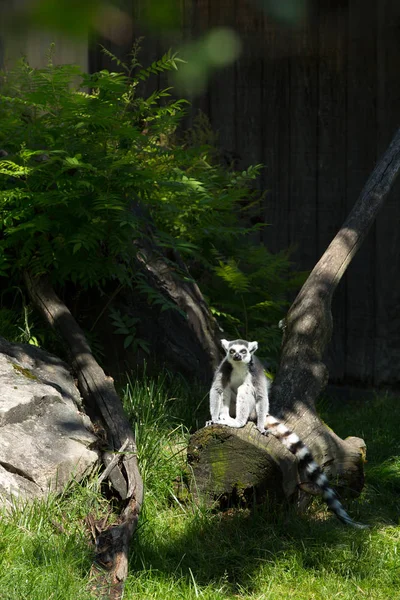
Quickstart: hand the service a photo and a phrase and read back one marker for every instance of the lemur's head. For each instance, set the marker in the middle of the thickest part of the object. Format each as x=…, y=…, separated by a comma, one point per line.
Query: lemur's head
x=239, y=350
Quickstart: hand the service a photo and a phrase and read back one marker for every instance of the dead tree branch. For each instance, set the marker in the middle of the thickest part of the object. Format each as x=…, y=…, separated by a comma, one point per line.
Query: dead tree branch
x=197, y=350
x=99, y=392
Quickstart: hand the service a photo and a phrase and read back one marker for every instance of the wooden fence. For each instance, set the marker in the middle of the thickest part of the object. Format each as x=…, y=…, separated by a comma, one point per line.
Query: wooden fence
x=317, y=104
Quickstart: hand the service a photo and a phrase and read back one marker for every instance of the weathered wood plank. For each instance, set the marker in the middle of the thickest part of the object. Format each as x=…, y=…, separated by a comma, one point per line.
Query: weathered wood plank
x=117, y=37
x=275, y=128
x=17, y=41
x=331, y=171
x=222, y=104
x=361, y=155
x=303, y=146
x=198, y=23
x=150, y=44
x=387, y=294
x=248, y=107
x=172, y=37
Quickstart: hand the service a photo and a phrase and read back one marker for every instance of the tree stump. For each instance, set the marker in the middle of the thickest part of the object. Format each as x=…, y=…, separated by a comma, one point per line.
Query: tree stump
x=241, y=467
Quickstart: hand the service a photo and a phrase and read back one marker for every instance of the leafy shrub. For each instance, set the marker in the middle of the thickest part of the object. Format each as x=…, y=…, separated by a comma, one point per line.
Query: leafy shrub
x=81, y=152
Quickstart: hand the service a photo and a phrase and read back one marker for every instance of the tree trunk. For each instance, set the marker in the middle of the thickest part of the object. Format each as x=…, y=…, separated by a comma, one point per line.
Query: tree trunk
x=308, y=327
x=301, y=374
x=120, y=458
x=190, y=334
x=192, y=338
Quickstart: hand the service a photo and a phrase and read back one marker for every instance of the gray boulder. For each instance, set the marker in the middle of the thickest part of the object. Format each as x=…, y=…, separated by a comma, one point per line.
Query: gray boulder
x=45, y=439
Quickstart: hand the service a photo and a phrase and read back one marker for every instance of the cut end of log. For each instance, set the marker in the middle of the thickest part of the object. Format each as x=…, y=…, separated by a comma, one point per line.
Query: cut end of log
x=233, y=467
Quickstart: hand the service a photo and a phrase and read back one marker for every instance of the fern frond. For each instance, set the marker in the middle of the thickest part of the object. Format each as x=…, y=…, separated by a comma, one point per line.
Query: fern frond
x=234, y=277
x=11, y=169
x=168, y=62
x=79, y=161
x=114, y=58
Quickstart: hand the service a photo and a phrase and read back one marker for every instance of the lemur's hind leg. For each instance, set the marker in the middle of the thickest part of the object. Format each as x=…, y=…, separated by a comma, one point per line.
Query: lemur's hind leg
x=245, y=405
x=219, y=406
x=262, y=408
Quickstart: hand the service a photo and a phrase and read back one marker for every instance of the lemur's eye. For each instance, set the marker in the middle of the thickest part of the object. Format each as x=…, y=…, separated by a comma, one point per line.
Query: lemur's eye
x=231, y=351
x=244, y=351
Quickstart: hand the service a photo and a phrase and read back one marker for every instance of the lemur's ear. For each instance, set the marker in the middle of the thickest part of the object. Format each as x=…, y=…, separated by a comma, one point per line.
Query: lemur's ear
x=225, y=345
x=253, y=347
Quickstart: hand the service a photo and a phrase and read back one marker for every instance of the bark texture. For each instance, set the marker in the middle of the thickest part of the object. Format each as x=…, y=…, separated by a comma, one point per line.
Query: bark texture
x=192, y=339
x=99, y=392
x=236, y=465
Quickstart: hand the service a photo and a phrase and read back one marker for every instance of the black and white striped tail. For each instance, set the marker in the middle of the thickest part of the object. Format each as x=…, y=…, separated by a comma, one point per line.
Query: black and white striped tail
x=314, y=472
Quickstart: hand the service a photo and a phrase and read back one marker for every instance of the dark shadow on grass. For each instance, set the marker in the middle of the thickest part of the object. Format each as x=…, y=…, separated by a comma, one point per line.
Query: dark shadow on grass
x=231, y=546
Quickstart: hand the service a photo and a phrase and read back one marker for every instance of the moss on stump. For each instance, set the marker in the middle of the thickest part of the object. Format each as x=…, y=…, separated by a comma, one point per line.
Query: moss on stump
x=240, y=466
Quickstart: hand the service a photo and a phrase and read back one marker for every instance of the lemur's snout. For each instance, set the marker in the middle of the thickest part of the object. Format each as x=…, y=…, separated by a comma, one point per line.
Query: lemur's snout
x=237, y=357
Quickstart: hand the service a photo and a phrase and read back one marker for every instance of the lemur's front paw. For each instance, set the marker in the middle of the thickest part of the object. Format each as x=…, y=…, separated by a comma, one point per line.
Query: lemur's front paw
x=263, y=431
x=219, y=421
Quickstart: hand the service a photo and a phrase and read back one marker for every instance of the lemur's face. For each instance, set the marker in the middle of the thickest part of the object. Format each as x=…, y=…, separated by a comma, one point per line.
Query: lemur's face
x=239, y=350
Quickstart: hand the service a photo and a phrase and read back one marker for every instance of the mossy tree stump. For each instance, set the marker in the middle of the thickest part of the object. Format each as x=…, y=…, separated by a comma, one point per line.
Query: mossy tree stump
x=240, y=467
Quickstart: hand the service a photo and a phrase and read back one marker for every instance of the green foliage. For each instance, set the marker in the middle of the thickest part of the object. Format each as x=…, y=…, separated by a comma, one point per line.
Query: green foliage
x=16, y=323
x=126, y=325
x=155, y=406
x=90, y=166
x=78, y=161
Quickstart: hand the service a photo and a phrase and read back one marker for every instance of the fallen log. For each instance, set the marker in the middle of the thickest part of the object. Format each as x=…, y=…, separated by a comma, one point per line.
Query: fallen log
x=240, y=467
x=99, y=393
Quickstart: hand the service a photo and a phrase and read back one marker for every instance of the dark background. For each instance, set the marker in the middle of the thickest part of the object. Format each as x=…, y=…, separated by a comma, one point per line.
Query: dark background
x=317, y=101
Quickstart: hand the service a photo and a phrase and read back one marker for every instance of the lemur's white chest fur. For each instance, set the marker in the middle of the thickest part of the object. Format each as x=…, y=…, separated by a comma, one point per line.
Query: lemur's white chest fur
x=240, y=376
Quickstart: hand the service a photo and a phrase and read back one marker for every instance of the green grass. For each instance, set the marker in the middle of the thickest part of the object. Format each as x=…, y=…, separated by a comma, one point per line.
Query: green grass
x=183, y=551
x=44, y=550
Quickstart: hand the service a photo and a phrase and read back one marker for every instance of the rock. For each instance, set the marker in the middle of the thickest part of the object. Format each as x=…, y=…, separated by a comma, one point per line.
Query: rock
x=44, y=438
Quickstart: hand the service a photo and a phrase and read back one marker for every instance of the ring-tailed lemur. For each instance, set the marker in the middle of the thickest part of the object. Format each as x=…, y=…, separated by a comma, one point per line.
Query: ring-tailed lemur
x=240, y=386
